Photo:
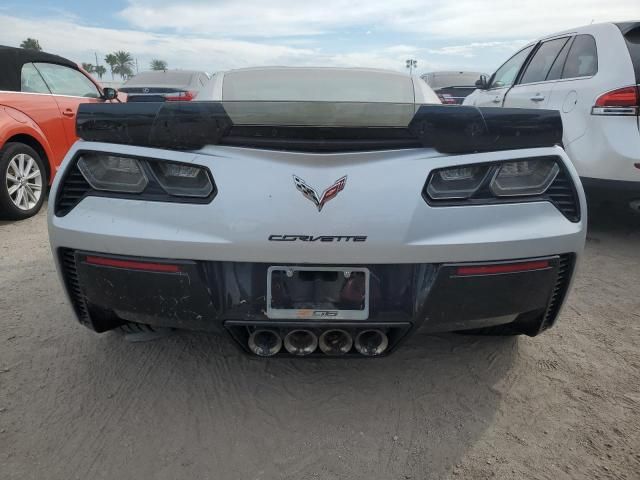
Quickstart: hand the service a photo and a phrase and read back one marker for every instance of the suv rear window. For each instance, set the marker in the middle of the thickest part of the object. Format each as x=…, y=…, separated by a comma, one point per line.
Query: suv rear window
x=582, y=60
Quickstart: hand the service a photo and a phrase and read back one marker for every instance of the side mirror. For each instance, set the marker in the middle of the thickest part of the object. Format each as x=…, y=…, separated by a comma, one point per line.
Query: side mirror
x=482, y=83
x=109, y=93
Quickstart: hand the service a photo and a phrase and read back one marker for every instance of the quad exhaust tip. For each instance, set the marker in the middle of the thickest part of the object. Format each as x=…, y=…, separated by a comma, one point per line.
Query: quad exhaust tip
x=300, y=342
x=371, y=342
x=335, y=342
x=265, y=342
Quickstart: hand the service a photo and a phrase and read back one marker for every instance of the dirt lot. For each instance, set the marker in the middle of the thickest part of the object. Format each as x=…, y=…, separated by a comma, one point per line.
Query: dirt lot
x=74, y=404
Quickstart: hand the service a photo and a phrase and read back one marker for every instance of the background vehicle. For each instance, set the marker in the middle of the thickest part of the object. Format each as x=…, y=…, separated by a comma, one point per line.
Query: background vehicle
x=592, y=76
x=164, y=86
x=40, y=94
x=320, y=211
x=452, y=87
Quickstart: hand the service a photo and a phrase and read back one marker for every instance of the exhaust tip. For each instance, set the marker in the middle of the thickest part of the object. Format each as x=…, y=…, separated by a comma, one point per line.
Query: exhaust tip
x=300, y=342
x=335, y=342
x=371, y=342
x=264, y=342
x=635, y=205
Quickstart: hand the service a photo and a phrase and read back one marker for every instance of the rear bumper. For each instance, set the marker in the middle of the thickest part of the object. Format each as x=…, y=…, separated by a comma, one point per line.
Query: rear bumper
x=218, y=295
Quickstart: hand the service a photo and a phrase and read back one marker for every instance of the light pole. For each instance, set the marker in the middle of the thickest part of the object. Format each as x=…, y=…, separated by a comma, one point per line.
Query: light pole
x=411, y=64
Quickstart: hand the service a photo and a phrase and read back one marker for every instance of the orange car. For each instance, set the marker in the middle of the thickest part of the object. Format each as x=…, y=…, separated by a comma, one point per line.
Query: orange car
x=39, y=98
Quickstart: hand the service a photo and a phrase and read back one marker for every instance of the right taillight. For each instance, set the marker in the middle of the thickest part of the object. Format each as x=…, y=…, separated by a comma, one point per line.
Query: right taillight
x=623, y=101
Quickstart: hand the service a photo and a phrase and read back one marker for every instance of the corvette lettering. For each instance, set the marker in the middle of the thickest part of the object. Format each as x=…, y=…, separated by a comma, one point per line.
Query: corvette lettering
x=317, y=238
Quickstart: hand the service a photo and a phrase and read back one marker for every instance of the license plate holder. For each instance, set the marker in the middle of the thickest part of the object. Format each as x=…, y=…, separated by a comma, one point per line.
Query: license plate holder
x=317, y=293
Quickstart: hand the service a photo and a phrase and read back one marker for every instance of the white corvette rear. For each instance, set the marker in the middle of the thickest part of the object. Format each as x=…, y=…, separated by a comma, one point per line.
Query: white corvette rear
x=316, y=238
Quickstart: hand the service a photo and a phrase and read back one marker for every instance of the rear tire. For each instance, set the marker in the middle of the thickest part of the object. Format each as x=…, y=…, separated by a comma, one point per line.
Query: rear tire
x=23, y=181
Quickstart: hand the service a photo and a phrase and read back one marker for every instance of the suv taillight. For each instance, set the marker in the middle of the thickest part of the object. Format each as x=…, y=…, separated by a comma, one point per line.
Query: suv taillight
x=623, y=101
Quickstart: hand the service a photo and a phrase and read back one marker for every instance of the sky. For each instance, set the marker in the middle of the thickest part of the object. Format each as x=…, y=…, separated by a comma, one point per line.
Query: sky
x=213, y=35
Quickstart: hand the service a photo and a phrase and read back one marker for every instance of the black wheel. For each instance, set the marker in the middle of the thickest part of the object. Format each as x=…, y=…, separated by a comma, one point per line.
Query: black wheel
x=23, y=181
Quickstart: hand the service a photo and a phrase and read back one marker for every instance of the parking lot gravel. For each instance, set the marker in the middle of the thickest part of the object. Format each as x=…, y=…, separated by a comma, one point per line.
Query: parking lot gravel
x=78, y=405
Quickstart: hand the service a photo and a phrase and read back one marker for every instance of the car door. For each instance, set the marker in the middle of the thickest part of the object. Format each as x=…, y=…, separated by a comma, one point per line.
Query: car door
x=533, y=86
x=573, y=93
x=501, y=81
x=36, y=102
x=70, y=88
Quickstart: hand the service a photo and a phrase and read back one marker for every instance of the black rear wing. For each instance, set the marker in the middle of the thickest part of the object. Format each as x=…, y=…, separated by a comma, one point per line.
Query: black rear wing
x=193, y=125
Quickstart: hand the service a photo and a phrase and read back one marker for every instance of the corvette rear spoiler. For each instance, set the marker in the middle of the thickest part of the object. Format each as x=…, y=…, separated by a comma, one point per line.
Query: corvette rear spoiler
x=193, y=125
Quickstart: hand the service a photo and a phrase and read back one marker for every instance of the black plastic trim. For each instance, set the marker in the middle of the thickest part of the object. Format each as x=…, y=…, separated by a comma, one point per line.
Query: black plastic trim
x=563, y=280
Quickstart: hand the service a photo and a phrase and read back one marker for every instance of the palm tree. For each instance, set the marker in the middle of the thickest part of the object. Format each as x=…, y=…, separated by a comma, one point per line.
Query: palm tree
x=111, y=60
x=100, y=70
x=157, y=64
x=31, y=44
x=124, y=64
x=88, y=67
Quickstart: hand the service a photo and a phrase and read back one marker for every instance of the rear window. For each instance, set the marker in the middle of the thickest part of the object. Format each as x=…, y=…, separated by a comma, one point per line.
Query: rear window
x=543, y=60
x=582, y=60
x=317, y=85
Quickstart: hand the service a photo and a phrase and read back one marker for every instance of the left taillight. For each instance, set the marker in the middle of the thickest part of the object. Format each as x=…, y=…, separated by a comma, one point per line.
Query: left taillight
x=622, y=101
x=121, y=174
x=180, y=96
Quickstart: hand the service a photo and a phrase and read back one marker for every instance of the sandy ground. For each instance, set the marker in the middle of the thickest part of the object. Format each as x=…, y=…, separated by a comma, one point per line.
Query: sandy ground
x=74, y=404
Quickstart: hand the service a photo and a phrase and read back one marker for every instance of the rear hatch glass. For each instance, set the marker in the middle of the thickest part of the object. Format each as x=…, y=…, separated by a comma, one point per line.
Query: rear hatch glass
x=317, y=85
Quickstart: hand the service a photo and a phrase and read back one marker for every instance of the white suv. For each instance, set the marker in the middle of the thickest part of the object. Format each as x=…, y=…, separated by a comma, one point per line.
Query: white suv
x=592, y=76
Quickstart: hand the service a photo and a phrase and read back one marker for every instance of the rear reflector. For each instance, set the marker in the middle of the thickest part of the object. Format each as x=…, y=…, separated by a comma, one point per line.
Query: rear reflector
x=623, y=101
x=133, y=265
x=502, y=268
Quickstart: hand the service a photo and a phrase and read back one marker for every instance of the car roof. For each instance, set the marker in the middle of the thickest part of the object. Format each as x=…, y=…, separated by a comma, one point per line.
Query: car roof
x=12, y=59
x=591, y=28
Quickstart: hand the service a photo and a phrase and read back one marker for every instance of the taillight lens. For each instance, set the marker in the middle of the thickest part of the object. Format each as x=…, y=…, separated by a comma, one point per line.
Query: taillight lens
x=623, y=101
x=113, y=173
x=456, y=182
x=180, y=96
x=182, y=180
x=524, y=177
